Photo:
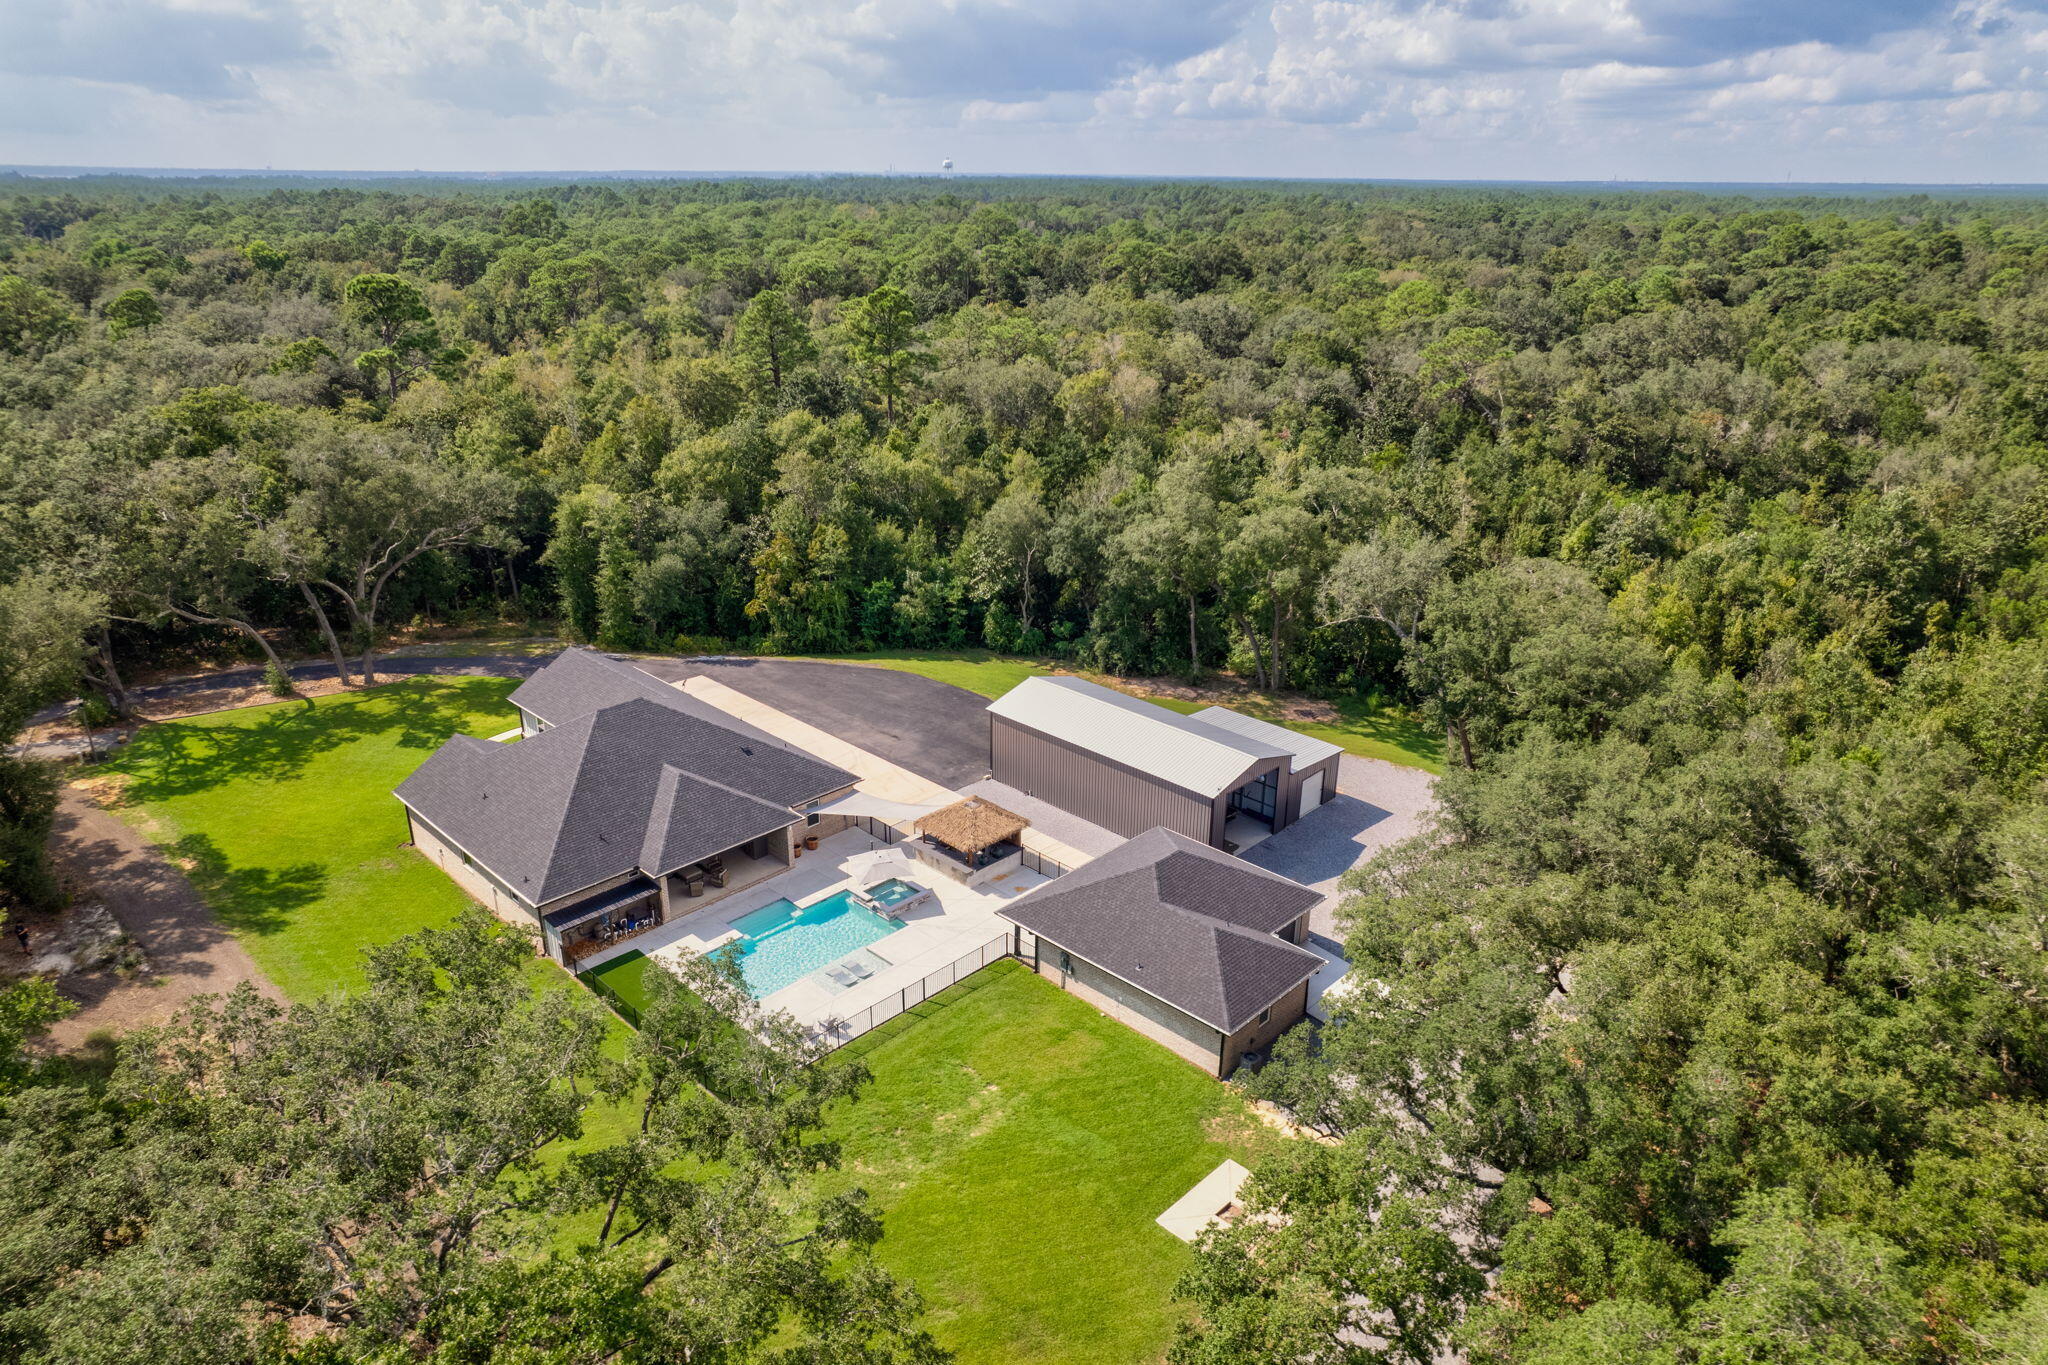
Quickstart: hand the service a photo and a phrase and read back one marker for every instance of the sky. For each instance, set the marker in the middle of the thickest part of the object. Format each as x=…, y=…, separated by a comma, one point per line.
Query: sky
x=1713, y=90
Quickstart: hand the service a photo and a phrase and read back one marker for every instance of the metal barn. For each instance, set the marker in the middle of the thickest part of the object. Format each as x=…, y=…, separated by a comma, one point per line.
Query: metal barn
x=1217, y=776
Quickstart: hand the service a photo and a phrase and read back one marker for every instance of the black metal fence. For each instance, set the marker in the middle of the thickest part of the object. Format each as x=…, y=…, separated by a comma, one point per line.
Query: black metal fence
x=889, y=834
x=841, y=1031
x=1044, y=866
x=880, y=829
x=624, y=1008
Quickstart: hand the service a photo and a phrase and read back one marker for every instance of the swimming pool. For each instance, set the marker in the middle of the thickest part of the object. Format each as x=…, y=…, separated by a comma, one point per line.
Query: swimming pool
x=782, y=944
x=895, y=891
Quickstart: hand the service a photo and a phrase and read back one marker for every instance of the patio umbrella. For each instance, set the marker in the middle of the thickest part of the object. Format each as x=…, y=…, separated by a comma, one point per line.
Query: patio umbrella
x=877, y=865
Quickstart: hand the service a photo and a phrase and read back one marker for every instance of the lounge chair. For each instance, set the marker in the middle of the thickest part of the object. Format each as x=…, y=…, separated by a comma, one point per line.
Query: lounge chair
x=839, y=975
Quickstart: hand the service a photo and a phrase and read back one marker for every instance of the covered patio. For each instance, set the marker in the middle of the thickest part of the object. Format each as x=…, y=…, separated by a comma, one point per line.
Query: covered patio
x=574, y=932
x=969, y=839
x=607, y=920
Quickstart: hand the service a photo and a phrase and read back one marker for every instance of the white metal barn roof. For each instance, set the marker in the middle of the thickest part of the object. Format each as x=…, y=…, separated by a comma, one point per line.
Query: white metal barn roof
x=1174, y=748
x=1307, y=752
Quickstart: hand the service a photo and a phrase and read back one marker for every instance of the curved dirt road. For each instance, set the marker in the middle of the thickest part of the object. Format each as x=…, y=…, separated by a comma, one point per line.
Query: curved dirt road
x=189, y=953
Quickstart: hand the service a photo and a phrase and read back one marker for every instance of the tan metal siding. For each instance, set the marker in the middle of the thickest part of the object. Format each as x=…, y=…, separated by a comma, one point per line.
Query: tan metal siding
x=1095, y=788
x=1290, y=789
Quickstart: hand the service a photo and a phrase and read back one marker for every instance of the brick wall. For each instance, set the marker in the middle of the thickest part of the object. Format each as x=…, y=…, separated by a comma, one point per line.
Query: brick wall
x=1182, y=1033
x=470, y=875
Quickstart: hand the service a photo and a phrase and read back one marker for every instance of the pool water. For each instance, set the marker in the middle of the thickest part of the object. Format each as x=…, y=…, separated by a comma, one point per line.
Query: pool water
x=895, y=891
x=783, y=945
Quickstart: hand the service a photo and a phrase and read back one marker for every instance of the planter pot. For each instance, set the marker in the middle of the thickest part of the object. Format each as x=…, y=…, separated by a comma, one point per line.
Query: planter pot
x=811, y=841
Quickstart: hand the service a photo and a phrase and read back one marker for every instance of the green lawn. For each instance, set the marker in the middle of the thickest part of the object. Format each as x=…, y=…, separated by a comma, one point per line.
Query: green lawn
x=284, y=818
x=1020, y=1144
x=1365, y=726
x=623, y=977
x=974, y=670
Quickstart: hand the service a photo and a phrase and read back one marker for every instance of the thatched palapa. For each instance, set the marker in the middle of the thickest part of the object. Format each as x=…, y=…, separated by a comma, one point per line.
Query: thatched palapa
x=972, y=825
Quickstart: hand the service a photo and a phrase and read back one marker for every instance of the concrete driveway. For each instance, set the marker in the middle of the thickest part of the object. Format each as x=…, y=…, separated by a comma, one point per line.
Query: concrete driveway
x=937, y=731
x=1378, y=804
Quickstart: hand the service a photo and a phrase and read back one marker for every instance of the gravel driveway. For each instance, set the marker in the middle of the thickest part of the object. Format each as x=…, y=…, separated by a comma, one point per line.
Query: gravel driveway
x=315, y=670
x=1378, y=804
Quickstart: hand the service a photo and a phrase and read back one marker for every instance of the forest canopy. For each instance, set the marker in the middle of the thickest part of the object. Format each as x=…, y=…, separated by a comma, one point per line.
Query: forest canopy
x=1709, y=532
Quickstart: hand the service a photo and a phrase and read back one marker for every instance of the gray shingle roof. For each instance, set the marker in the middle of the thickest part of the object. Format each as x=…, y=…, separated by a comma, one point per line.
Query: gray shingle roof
x=577, y=682
x=638, y=784
x=1179, y=749
x=1182, y=921
x=693, y=818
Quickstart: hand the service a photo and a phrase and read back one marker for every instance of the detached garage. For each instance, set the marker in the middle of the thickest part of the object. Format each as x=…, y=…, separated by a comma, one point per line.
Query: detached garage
x=1199, y=951
x=1311, y=777
x=1129, y=766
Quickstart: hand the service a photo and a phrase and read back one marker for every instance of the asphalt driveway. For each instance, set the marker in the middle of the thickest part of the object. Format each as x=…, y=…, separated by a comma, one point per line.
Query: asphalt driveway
x=937, y=731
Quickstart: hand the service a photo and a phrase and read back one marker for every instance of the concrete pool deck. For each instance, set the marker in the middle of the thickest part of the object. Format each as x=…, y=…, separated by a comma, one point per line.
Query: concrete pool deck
x=955, y=922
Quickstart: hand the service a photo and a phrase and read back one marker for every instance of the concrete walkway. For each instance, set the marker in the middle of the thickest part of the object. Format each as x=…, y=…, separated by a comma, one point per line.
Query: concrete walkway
x=189, y=953
x=878, y=776
x=1047, y=819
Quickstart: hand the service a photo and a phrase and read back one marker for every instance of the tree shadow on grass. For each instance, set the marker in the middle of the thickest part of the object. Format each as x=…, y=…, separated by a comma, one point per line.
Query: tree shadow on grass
x=180, y=759
x=423, y=719
x=1387, y=725
x=246, y=899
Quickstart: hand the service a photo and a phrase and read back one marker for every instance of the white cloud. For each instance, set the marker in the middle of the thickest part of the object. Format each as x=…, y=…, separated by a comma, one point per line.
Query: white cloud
x=1562, y=88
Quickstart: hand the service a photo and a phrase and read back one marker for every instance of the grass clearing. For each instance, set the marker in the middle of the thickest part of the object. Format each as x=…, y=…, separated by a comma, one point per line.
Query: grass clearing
x=283, y=817
x=979, y=671
x=1020, y=1144
x=1365, y=727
